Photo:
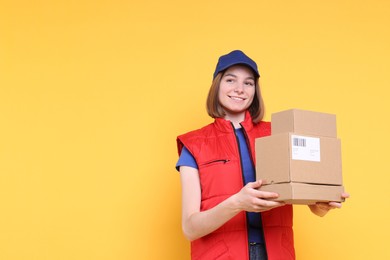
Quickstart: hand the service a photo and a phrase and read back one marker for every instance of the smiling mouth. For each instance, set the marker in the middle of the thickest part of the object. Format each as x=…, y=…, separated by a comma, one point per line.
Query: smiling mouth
x=237, y=98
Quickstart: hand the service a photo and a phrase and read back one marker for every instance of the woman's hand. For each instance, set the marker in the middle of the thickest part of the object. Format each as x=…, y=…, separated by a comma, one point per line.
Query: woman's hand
x=197, y=223
x=253, y=200
x=321, y=208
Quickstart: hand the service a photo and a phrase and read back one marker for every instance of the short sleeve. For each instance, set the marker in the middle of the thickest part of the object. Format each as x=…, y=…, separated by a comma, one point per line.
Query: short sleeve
x=186, y=159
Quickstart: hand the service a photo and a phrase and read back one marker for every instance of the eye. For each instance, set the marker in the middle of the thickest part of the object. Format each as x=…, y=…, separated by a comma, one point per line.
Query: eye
x=249, y=83
x=229, y=80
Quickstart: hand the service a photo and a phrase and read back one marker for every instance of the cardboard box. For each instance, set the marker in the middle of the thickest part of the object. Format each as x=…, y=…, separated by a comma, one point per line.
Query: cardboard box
x=301, y=193
x=301, y=160
x=289, y=157
x=304, y=122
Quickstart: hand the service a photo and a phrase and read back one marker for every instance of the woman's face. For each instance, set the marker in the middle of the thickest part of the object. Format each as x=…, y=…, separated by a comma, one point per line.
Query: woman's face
x=236, y=91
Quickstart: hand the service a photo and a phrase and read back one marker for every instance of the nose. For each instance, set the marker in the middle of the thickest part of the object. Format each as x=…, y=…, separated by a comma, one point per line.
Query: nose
x=239, y=88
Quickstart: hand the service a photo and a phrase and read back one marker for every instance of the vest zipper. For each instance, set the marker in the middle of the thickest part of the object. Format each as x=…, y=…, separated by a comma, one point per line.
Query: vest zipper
x=216, y=161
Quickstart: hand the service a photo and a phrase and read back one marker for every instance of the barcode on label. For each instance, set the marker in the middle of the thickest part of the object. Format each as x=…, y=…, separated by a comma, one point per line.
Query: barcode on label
x=305, y=148
x=301, y=142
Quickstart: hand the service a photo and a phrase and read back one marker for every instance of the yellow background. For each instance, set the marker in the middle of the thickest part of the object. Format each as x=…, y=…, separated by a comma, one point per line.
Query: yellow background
x=94, y=93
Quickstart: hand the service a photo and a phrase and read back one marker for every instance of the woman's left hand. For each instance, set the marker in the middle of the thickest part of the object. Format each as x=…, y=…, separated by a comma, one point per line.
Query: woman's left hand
x=321, y=208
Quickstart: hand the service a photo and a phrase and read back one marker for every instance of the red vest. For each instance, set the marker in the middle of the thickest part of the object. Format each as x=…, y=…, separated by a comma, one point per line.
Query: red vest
x=216, y=152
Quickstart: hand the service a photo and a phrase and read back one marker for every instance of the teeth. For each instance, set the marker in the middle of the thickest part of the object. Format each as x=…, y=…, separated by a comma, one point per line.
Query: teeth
x=236, y=98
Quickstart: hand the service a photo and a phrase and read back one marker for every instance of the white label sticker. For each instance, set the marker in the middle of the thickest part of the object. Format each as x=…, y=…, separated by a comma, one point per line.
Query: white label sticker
x=305, y=148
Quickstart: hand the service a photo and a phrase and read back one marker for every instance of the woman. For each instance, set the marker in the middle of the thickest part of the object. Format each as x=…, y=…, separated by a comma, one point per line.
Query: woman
x=224, y=215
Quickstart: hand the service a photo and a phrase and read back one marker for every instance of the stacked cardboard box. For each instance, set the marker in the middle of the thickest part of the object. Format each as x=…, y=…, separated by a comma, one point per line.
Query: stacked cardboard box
x=301, y=160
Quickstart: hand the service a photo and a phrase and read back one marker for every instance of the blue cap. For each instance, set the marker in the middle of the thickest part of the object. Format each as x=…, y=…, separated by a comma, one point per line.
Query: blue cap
x=234, y=58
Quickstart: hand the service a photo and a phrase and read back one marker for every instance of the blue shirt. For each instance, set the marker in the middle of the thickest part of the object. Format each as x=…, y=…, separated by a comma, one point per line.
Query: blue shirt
x=255, y=232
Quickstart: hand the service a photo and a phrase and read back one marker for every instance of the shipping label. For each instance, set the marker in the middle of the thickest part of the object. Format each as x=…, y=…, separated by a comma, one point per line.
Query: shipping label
x=305, y=148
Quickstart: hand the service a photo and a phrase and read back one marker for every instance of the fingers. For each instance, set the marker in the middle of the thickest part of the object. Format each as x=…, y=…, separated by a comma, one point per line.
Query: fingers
x=256, y=184
x=266, y=194
x=328, y=206
x=261, y=194
x=270, y=203
x=262, y=205
x=265, y=200
x=334, y=205
x=254, y=200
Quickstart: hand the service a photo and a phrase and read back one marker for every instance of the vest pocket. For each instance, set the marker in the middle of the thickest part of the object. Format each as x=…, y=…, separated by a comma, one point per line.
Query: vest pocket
x=219, y=251
x=213, y=162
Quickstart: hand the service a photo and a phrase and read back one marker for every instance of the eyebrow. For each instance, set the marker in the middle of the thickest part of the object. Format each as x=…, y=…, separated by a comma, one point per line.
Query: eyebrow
x=232, y=75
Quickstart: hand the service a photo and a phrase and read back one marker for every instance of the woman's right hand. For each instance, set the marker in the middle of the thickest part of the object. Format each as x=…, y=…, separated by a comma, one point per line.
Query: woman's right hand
x=197, y=223
x=251, y=199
